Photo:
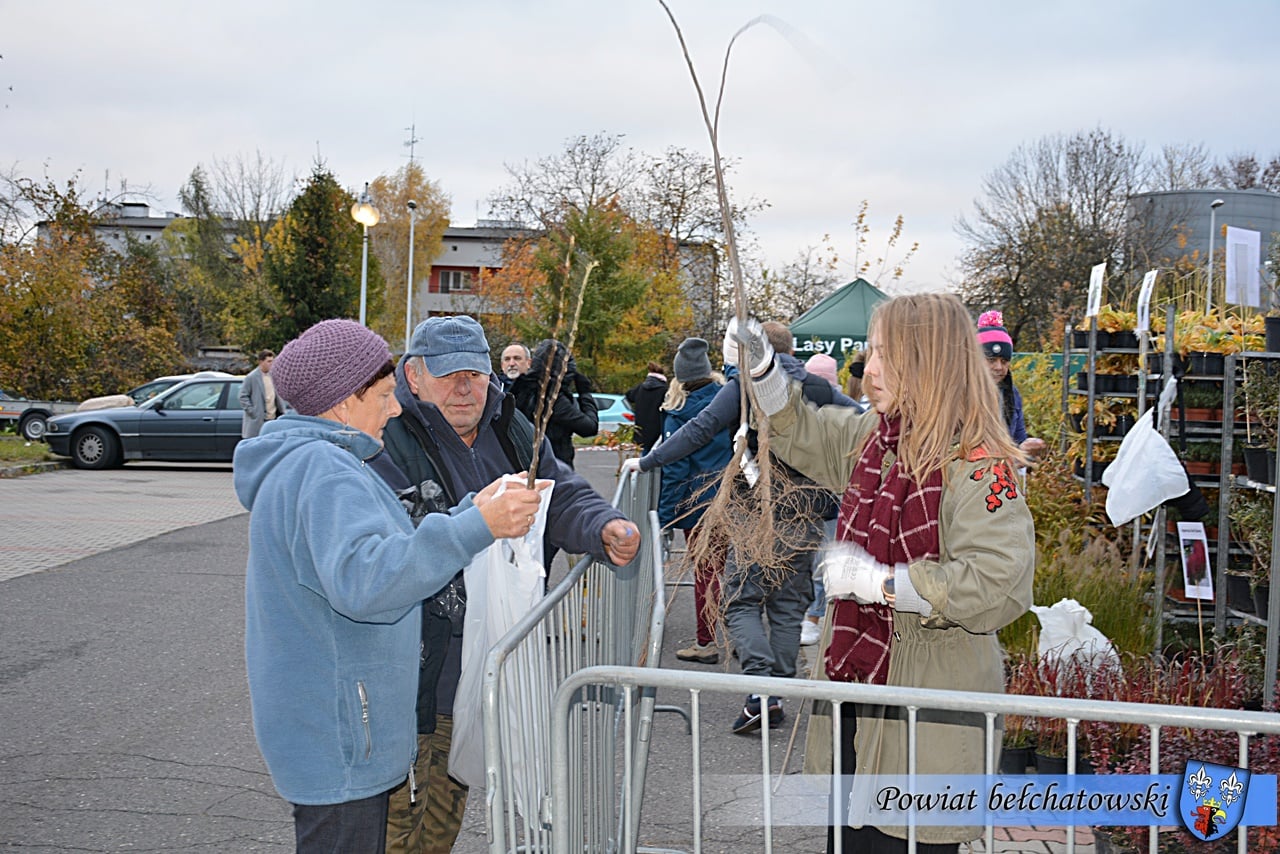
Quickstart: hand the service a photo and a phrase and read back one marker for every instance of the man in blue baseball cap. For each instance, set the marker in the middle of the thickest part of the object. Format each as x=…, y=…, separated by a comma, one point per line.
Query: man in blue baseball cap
x=458, y=430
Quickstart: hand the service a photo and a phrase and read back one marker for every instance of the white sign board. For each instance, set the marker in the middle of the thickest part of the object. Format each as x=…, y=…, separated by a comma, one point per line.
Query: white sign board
x=1095, y=289
x=1197, y=571
x=1244, y=256
x=1144, y=300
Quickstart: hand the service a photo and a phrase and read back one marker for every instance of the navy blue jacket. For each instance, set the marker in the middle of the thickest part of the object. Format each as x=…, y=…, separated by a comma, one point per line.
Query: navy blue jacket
x=682, y=499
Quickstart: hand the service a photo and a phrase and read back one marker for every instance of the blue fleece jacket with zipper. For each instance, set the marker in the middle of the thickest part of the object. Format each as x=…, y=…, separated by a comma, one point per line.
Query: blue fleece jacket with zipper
x=333, y=591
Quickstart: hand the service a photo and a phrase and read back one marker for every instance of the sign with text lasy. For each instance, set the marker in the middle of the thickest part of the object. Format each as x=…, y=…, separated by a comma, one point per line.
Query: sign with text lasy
x=1096, y=278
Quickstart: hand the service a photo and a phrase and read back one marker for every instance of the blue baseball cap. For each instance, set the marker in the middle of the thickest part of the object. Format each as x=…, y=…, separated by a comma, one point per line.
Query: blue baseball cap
x=451, y=344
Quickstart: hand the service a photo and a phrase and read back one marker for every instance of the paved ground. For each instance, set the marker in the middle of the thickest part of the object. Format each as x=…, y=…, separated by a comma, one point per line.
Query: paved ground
x=122, y=688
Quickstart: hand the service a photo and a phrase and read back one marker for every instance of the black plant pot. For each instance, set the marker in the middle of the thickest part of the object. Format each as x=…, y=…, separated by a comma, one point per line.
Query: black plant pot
x=1015, y=760
x=1261, y=600
x=1256, y=464
x=1273, y=334
x=1124, y=340
x=1124, y=423
x=1124, y=383
x=1082, y=381
x=1239, y=596
x=1206, y=364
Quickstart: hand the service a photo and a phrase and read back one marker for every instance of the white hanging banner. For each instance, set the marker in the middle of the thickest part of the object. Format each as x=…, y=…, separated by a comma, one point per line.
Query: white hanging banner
x=1095, y=289
x=1244, y=255
x=1144, y=300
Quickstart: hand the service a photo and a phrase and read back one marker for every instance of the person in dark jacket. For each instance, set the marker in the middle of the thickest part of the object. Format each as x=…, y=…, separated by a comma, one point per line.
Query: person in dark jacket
x=573, y=410
x=646, y=402
x=997, y=346
x=456, y=428
x=689, y=484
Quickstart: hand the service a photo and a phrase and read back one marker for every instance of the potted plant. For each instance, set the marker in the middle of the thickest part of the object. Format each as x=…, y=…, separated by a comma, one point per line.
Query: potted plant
x=1203, y=457
x=1251, y=516
x=1202, y=401
x=1260, y=390
x=1119, y=326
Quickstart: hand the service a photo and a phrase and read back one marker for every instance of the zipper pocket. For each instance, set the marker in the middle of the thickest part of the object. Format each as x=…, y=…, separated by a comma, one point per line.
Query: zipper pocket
x=364, y=718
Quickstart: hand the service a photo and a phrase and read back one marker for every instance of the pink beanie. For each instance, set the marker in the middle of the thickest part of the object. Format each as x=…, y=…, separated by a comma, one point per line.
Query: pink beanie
x=822, y=365
x=994, y=338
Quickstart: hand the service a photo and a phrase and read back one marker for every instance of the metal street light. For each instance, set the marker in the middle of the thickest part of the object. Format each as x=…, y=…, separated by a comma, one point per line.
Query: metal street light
x=408, y=300
x=366, y=214
x=1213, y=227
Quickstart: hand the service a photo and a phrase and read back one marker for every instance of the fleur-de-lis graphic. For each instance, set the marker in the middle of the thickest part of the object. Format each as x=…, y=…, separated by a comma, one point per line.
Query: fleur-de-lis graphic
x=1199, y=783
x=1231, y=789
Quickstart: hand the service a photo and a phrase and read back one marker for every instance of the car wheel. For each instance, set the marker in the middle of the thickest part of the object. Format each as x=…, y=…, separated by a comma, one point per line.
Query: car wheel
x=95, y=448
x=32, y=427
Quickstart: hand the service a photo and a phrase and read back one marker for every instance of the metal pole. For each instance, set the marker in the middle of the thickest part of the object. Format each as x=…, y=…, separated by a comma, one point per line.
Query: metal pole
x=408, y=300
x=364, y=273
x=1213, y=226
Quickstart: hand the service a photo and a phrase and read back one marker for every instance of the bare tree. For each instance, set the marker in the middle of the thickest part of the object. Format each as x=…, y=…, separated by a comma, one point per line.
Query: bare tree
x=1052, y=211
x=590, y=170
x=1182, y=167
x=249, y=193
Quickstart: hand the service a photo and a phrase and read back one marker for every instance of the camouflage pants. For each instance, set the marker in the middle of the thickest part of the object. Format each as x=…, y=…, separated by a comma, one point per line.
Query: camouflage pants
x=430, y=824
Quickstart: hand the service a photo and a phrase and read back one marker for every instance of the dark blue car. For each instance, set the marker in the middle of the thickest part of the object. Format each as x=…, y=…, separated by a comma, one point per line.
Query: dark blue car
x=198, y=420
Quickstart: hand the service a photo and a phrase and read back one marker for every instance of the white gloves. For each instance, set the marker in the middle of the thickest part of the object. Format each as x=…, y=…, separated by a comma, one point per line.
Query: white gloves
x=759, y=350
x=905, y=597
x=850, y=572
x=629, y=465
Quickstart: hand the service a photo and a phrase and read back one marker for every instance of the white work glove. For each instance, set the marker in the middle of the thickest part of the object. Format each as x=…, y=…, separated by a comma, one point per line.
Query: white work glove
x=629, y=465
x=759, y=350
x=850, y=572
x=904, y=596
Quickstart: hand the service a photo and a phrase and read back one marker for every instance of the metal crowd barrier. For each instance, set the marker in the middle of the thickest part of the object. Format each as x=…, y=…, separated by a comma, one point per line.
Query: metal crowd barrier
x=573, y=817
x=597, y=615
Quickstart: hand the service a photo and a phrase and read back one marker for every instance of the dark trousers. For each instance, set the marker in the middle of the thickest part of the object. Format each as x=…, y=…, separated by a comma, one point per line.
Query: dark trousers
x=867, y=839
x=352, y=827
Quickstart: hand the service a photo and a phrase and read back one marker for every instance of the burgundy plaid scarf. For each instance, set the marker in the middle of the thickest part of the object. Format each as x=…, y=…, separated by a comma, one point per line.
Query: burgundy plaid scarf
x=896, y=521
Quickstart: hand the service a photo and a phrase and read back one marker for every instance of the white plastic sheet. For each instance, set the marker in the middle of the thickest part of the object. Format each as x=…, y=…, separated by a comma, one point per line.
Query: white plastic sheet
x=1067, y=632
x=504, y=583
x=1145, y=473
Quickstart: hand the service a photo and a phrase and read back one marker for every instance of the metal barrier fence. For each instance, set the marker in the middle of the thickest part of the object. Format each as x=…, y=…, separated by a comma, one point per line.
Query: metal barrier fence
x=597, y=615
x=572, y=816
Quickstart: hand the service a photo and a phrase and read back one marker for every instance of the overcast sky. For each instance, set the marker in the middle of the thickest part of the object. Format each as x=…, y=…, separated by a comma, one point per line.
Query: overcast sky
x=906, y=104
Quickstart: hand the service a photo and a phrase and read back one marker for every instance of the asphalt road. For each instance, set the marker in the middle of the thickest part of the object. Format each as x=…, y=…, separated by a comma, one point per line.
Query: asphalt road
x=125, y=712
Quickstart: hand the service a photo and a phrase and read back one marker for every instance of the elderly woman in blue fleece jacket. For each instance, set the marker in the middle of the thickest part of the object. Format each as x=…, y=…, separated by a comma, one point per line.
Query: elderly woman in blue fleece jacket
x=334, y=585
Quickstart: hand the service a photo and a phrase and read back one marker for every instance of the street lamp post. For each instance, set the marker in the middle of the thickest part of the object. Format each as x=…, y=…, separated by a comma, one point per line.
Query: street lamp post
x=1213, y=228
x=366, y=214
x=408, y=300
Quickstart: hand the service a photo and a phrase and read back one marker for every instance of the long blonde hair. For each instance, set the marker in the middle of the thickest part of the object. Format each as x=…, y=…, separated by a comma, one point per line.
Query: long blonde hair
x=946, y=397
x=678, y=392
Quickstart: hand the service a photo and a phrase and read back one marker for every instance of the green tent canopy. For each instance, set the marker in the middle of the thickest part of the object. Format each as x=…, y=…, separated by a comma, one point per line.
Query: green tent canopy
x=837, y=326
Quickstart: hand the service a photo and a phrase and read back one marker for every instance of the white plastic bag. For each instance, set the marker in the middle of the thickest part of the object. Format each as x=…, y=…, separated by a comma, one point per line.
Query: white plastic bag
x=1066, y=632
x=1145, y=474
x=504, y=582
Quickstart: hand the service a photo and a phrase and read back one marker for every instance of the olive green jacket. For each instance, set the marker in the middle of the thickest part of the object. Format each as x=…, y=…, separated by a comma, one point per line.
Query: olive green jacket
x=980, y=583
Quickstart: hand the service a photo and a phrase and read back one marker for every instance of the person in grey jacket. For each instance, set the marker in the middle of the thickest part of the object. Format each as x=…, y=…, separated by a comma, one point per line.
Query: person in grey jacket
x=334, y=584
x=258, y=397
x=457, y=430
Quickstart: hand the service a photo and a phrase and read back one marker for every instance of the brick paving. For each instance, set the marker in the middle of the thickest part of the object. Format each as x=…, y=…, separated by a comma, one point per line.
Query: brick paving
x=55, y=517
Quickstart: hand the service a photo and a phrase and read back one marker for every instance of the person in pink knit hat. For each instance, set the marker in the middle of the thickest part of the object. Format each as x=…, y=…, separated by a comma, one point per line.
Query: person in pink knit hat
x=997, y=346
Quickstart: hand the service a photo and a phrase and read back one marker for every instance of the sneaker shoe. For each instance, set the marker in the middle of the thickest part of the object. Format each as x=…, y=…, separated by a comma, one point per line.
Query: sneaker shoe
x=703, y=654
x=749, y=720
x=810, y=632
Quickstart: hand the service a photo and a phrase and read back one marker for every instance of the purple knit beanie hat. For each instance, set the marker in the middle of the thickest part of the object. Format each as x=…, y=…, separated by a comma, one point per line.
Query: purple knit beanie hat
x=327, y=364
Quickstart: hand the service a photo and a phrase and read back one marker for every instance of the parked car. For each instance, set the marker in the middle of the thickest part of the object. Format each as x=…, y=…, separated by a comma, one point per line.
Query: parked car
x=196, y=420
x=142, y=393
x=614, y=410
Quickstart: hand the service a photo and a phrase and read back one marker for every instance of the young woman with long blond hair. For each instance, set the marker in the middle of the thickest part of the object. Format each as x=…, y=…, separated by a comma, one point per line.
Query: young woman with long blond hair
x=935, y=549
